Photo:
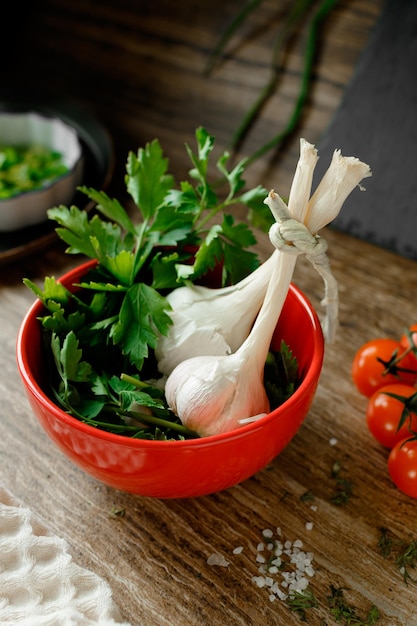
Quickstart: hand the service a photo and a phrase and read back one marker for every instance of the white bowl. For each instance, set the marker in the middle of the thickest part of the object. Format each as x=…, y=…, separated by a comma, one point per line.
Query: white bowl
x=30, y=207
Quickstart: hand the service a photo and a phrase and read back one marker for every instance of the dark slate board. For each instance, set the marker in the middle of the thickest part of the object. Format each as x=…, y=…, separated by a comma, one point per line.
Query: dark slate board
x=377, y=122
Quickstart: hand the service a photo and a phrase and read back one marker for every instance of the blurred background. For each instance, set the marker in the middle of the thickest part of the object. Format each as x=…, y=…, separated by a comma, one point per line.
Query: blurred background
x=148, y=69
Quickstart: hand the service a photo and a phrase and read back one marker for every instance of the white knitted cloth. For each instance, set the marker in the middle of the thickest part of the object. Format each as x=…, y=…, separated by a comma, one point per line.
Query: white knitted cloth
x=40, y=585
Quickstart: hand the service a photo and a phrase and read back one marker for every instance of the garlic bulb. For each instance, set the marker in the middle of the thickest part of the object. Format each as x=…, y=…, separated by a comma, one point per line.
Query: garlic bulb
x=216, y=321
x=214, y=394
x=212, y=321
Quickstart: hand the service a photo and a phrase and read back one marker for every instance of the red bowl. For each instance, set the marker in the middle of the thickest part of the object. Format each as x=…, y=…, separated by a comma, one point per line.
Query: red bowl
x=177, y=469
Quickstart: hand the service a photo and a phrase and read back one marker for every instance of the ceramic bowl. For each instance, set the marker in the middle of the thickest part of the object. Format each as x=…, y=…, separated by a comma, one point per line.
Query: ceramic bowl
x=28, y=128
x=177, y=469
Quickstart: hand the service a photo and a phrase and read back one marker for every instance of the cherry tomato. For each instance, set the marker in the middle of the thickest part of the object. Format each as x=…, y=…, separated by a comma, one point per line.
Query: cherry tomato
x=405, y=343
x=383, y=415
x=368, y=372
x=402, y=466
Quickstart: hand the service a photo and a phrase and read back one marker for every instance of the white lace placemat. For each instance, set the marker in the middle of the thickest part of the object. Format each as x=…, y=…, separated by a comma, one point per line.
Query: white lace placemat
x=40, y=585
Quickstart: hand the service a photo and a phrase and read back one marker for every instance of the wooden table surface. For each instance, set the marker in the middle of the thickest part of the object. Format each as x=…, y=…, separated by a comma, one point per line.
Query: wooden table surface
x=141, y=73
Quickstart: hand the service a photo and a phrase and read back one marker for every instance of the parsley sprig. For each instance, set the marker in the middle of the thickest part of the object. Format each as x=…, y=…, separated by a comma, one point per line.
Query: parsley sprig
x=100, y=334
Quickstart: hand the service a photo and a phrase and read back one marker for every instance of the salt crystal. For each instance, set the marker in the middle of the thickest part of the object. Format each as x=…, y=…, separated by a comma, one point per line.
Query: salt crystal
x=275, y=587
x=238, y=550
x=302, y=584
x=282, y=552
x=313, y=508
x=217, y=559
x=333, y=441
x=281, y=595
x=310, y=571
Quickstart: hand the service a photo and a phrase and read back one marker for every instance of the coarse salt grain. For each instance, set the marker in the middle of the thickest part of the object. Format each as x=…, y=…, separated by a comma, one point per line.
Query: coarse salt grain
x=287, y=570
x=218, y=559
x=333, y=441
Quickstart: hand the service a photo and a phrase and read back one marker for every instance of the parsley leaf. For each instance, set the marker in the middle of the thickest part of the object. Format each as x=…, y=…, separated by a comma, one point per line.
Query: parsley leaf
x=103, y=331
x=142, y=316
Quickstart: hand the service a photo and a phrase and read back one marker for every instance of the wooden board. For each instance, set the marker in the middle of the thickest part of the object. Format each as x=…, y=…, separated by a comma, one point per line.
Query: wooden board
x=377, y=122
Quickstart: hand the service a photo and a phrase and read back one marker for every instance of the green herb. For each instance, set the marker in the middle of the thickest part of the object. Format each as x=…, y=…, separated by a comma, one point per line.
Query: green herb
x=345, y=613
x=101, y=333
x=25, y=168
x=300, y=601
x=307, y=496
x=404, y=554
x=280, y=375
x=344, y=490
x=385, y=543
x=407, y=560
x=118, y=511
x=298, y=12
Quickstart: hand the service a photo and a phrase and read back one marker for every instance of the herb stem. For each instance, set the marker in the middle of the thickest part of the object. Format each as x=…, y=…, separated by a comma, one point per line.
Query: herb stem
x=134, y=381
x=156, y=421
x=210, y=215
x=309, y=56
x=236, y=22
x=282, y=39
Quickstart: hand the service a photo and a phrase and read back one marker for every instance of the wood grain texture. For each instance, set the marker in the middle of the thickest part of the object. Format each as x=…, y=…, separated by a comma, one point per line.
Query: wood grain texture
x=138, y=67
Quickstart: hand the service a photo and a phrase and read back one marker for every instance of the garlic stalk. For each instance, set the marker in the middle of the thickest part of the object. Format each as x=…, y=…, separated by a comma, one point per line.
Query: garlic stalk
x=216, y=321
x=212, y=321
x=214, y=394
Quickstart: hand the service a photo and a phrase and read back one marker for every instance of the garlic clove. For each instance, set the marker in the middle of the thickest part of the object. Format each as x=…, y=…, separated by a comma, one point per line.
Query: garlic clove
x=209, y=321
x=211, y=394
